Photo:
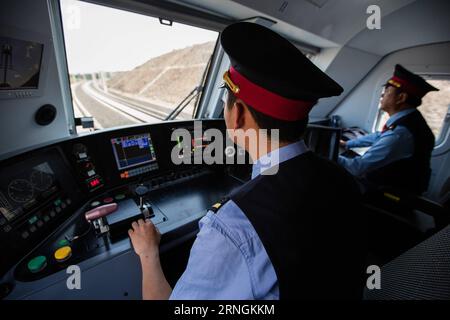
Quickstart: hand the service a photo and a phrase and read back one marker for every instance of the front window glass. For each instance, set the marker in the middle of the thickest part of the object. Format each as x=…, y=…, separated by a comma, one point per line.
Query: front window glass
x=126, y=68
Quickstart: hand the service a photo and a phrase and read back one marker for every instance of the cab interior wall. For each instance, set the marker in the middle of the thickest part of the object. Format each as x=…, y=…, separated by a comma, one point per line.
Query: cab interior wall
x=361, y=105
x=418, y=24
x=17, y=115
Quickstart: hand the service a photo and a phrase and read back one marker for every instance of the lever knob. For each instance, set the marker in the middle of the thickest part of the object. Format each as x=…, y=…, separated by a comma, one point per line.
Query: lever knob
x=141, y=191
x=100, y=211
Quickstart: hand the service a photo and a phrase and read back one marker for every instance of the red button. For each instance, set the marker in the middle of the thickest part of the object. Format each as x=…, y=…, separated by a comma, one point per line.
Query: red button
x=108, y=200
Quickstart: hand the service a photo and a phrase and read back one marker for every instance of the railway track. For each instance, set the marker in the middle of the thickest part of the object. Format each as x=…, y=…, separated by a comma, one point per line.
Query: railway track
x=132, y=110
x=121, y=107
x=151, y=110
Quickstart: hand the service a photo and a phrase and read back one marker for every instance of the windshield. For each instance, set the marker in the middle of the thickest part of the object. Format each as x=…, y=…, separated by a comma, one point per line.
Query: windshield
x=126, y=68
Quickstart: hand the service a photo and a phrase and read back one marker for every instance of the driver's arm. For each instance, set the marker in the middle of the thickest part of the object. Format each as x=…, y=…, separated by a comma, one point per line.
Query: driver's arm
x=145, y=238
x=364, y=141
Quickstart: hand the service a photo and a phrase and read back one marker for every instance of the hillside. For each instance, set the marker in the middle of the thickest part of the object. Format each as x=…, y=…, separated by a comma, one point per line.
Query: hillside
x=166, y=79
x=435, y=105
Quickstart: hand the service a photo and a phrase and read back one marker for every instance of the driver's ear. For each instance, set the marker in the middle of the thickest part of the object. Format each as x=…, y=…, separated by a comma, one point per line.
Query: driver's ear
x=240, y=114
x=402, y=97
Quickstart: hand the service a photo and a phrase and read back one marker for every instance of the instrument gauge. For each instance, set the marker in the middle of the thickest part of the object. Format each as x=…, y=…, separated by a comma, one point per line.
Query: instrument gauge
x=20, y=190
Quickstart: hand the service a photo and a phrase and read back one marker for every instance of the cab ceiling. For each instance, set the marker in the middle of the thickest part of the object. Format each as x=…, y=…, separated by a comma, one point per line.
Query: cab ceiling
x=329, y=22
x=318, y=24
x=336, y=23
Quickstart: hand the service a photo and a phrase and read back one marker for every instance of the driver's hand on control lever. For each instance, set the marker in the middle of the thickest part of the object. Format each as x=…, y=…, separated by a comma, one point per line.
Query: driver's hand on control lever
x=343, y=144
x=145, y=238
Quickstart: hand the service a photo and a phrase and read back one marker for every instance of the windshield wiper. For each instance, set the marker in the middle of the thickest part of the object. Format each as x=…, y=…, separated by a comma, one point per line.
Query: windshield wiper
x=183, y=104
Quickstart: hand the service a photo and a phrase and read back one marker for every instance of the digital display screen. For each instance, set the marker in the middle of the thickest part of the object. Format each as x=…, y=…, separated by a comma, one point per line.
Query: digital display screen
x=25, y=190
x=20, y=64
x=133, y=151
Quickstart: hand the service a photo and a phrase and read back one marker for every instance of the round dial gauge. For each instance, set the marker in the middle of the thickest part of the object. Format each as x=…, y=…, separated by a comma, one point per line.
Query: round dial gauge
x=20, y=190
x=41, y=180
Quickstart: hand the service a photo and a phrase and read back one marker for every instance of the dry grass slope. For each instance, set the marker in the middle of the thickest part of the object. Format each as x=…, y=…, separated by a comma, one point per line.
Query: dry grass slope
x=167, y=78
x=435, y=105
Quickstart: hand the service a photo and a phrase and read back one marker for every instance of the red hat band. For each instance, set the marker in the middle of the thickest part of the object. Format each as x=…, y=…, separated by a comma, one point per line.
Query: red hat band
x=407, y=86
x=264, y=101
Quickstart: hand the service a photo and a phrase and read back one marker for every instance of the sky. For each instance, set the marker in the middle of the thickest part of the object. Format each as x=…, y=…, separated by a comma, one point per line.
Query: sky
x=99, y=38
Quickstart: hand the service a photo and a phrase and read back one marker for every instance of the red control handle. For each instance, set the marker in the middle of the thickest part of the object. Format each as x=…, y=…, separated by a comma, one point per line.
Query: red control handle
x=100, y=211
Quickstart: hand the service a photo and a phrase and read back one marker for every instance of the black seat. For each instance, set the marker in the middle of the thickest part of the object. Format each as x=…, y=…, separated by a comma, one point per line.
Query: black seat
x=323, y=140
x=404, y=202
x=420, y=273
x=400, y=220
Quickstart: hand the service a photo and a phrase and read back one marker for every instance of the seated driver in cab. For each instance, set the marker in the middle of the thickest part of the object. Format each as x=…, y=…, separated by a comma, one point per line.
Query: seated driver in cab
x=399, y=155
x=290, y=233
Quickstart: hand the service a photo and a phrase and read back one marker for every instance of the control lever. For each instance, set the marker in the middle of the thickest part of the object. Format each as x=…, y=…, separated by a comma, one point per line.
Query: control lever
x=100, y=211
x=94, y=216
x=141, y=191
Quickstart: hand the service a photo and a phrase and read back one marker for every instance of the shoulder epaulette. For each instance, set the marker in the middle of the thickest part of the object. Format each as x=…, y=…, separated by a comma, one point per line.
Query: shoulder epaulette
x=215, y=207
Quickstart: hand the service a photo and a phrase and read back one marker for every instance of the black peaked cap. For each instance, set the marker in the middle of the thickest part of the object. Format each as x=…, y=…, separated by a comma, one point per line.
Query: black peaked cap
x=272, y=62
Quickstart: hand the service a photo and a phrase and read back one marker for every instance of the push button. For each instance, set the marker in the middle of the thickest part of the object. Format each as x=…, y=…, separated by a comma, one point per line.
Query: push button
x=120, y=196
x=37, y=264
x=108, y=200
x=63, y=243
x=63, y=254
x=95, y=203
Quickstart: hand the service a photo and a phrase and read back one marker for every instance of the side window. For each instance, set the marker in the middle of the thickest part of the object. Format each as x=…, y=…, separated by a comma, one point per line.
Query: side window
x=434, y=108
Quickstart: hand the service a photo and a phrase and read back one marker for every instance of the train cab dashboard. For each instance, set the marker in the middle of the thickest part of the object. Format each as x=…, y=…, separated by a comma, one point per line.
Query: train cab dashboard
x=68, y=205
x=46, y=193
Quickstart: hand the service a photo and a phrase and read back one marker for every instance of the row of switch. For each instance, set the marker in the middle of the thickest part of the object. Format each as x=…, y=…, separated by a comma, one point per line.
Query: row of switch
x=138, y=171
x=36, y=222
x=172, y=177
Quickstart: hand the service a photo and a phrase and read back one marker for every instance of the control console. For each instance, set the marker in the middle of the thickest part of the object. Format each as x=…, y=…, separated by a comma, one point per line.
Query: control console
x=74, y=201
